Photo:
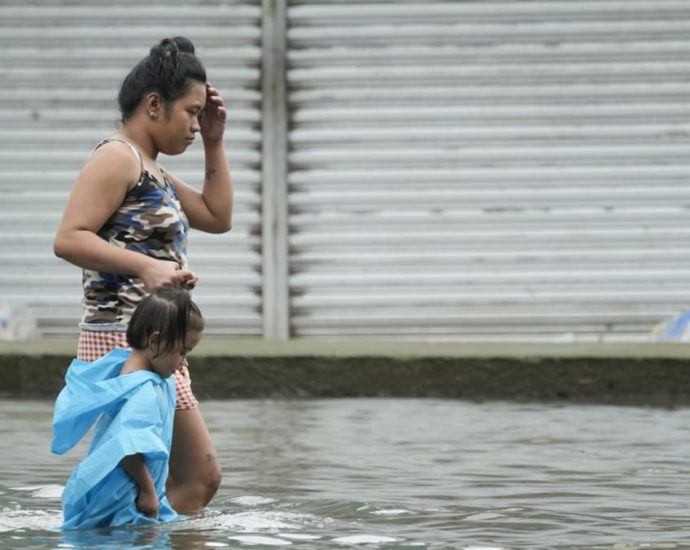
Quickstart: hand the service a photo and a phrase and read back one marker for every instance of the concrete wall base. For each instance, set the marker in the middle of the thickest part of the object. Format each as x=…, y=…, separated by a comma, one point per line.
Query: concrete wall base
x=648, y=381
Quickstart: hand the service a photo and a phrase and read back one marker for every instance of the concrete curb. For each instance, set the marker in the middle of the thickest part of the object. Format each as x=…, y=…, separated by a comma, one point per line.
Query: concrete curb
x=654, y=375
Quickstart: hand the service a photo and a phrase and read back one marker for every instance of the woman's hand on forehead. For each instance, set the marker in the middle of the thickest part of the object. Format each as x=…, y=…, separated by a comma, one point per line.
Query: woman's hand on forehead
x=213, y=116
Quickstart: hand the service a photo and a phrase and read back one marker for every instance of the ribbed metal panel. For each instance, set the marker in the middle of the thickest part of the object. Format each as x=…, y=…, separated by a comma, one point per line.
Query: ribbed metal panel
x=495, y=170
x=61, y=68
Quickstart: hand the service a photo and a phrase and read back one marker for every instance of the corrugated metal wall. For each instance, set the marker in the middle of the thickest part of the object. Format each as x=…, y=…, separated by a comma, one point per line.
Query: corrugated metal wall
x=61, y=67
x=501, y=170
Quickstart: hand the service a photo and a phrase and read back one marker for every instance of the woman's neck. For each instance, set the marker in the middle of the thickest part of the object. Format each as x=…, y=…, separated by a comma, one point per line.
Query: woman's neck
x=136, y=133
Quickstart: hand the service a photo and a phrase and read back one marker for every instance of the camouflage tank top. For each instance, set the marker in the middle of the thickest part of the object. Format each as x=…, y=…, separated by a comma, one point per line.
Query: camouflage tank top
x=150, y=220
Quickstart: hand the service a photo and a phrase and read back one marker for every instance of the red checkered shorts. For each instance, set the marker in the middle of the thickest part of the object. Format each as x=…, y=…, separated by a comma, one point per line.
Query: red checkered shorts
x=96, y=343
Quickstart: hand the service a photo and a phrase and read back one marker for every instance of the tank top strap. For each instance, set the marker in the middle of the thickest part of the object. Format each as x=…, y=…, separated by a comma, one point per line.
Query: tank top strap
x=166, y=180
x=134, y=150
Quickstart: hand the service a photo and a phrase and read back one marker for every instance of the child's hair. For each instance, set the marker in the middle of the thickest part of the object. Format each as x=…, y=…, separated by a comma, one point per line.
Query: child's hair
x=168, y=311
x=167, y=70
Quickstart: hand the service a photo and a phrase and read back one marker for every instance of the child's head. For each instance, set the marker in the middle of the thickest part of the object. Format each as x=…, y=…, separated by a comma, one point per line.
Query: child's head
x=167, y=323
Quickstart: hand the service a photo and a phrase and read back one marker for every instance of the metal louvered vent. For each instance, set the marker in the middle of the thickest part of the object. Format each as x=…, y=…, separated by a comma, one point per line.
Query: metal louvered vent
x=495, y=170
x=62, y=66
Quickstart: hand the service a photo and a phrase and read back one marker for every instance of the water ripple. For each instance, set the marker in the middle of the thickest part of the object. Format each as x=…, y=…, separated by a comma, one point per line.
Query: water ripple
x=386, y=473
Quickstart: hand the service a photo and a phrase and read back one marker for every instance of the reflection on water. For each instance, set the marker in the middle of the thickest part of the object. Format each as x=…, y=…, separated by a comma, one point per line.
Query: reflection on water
x=391, y=474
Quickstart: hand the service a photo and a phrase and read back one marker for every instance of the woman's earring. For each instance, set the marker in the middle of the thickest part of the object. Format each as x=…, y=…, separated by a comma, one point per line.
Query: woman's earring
x=153, y=115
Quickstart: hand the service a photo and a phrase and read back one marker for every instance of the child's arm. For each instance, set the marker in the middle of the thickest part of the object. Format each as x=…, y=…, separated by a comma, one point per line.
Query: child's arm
x=147, y=501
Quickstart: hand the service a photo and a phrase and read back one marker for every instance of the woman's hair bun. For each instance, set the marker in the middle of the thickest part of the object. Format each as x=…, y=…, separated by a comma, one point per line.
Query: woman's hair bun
x=184, y=44
x=170, y=47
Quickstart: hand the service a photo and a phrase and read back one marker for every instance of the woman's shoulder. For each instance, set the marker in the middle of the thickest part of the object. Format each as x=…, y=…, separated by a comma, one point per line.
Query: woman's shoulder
x=116, y=146
x=120, y=158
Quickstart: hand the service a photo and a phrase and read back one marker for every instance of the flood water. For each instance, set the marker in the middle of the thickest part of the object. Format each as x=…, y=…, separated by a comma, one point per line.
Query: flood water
x=392, y=473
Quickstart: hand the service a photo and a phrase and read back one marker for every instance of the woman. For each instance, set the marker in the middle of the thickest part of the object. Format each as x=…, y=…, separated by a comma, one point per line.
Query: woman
x=126, y=223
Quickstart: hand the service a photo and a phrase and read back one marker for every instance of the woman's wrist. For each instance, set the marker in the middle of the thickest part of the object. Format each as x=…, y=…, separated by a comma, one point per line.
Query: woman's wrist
x=142, y=263
x=214, y=143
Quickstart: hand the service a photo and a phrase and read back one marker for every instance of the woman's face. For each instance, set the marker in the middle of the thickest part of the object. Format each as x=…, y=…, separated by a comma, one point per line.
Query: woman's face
x=181, y=121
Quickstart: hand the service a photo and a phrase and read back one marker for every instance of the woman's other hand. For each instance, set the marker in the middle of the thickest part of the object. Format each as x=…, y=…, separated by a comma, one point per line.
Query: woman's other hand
x=213, y=116
x=188, y=278
x=163, y=273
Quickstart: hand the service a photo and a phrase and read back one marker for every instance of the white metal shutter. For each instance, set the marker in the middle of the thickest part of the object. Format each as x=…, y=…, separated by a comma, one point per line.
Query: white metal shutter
x=61, y=69
x=494, y=170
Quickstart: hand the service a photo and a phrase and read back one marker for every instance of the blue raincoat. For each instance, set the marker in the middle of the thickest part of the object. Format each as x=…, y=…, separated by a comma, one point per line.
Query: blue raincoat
x=134, y=414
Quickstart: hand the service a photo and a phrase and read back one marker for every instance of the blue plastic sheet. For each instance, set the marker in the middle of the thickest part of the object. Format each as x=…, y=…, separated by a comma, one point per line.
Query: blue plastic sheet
x=674, y=329
x=133, y=414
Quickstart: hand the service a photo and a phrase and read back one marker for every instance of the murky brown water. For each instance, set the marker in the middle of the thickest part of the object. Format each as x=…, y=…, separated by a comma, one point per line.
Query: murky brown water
x=393, y=474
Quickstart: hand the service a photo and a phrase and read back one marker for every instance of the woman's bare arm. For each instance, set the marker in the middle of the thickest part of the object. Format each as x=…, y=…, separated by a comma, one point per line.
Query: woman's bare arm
x=97, y=194
x=210, y=209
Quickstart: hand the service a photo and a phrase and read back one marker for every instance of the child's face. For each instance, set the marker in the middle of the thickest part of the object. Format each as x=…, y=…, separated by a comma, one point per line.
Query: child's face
x=167, y=363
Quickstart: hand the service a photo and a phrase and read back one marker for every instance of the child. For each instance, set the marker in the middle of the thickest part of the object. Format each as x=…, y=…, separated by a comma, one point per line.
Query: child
x=132, y=394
